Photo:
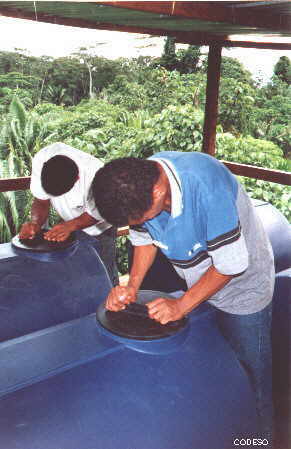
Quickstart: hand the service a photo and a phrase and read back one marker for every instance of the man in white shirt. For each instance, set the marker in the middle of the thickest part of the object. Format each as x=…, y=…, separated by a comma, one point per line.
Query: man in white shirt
x=61, y=177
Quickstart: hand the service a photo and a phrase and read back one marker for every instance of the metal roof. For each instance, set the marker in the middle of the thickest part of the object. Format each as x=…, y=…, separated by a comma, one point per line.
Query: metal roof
x=203, y=22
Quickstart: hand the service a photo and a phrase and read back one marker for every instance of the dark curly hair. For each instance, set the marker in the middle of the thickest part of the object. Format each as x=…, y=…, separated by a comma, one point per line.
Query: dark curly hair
x=123, y=188
x=58, y=175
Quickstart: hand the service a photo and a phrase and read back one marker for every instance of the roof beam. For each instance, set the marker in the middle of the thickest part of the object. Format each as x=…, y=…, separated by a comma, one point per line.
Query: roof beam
x=188, y=37
x=249, y=43
x=212, y=12
x=182, y=37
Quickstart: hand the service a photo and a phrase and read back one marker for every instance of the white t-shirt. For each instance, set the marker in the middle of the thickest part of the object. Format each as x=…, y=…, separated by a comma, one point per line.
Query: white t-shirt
x=79, y=199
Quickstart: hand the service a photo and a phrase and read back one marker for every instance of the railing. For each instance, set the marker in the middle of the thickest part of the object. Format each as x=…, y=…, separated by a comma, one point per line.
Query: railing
x=250, y=171
x=265, y=174
x=277, y=176
x=14, y=184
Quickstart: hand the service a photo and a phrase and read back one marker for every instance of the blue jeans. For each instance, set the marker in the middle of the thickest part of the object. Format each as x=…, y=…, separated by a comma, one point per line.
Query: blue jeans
x=106, y=246
x=250, y=338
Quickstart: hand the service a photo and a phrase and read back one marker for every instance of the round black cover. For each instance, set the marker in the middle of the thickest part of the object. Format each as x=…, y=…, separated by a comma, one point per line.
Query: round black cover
x=40, y=245
x=134, y=321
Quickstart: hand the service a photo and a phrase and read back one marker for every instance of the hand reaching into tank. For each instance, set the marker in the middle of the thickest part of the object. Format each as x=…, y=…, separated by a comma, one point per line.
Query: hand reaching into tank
x=119, y=297
x=165, y=310
x=29, y=230
x=59, y=232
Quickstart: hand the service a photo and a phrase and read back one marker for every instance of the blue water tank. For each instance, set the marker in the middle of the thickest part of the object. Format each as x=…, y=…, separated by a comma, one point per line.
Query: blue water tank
x=162, y=276
x=35, y=294
x=83, y=387
x=279, y=232
x=281, y=340
x=71, y=383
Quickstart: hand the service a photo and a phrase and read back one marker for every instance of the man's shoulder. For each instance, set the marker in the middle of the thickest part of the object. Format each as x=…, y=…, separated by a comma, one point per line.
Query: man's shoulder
x=183, y=157
x=187, y=162
x=62, y=149
x=54, y=148
x=49, y=151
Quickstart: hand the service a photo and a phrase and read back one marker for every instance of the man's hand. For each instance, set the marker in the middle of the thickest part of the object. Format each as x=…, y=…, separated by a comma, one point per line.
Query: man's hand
x=29, y=230
x=119, y=297
x=59, y=232
x=165, y=310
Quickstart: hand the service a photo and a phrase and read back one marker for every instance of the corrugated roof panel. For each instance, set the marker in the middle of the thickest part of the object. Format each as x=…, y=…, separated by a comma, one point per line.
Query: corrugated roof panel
x=94, y=14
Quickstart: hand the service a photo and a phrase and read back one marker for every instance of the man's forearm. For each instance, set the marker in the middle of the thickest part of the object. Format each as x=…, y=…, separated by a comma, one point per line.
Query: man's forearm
x=40, y=211
x=210, y=282
x=143, y=258
x=83, y=221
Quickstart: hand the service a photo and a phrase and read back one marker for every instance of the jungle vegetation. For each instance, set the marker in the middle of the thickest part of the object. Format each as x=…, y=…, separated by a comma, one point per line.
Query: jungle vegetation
x=115, y=108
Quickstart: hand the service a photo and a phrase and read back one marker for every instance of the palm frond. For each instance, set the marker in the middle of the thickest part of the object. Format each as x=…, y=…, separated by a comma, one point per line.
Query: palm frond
x=5, y=232
x=17, y=110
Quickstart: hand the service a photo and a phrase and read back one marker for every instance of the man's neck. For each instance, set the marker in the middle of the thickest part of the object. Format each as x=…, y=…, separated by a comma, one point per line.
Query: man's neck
x=166, y=184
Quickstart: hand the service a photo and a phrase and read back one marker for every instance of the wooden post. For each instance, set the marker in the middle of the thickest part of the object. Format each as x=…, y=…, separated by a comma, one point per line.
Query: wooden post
x=211, y=106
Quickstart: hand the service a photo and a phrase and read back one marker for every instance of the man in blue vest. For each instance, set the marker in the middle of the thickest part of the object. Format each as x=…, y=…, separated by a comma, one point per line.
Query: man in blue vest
x=191, y=207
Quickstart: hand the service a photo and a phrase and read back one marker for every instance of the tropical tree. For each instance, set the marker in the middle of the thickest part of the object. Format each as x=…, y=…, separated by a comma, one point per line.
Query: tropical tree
x=183, y=60
x=14, y=206
x=283, y=69
x=17, y=84
x=271, y=114
x=236, y=103
x=232, y=68
x=169, y=59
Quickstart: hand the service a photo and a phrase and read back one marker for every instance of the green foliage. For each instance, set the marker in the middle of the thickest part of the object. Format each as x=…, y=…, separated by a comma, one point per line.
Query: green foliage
x=276, y=194
x=138, y=134
x=17, y=84
x=283, y=69
x=74, y=125
x=189, y=59
x=62, y=81
x=48, y=108
x=183, y=61
x=14, y=206
x=122, y=258
x=21, y=134
x=270, y=117
x=249, y=150
x=14, y=80
x=176, y=128
x=263, y=154
x=20, y=137
x=131, y=95
x=91, y=126
x=236, y=102
x=232, y=68
x=169, y=59
x=159, y=90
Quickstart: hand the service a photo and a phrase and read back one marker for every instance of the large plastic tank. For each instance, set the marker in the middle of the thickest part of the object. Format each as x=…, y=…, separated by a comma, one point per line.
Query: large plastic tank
x=279, y=232
x=82, y=387
x=162, y=276
x=35, y=294
x=281, y=338
x=76, y=385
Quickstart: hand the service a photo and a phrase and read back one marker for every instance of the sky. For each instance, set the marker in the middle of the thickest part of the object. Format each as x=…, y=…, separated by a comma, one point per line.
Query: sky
x=57, y=40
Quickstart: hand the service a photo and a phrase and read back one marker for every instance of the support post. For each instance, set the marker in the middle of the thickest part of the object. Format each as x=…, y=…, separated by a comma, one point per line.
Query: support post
x=211, y=106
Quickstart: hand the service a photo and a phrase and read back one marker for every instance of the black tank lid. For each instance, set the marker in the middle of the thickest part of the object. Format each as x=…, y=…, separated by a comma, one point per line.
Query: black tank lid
x=39, y=245
x=134, y=321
